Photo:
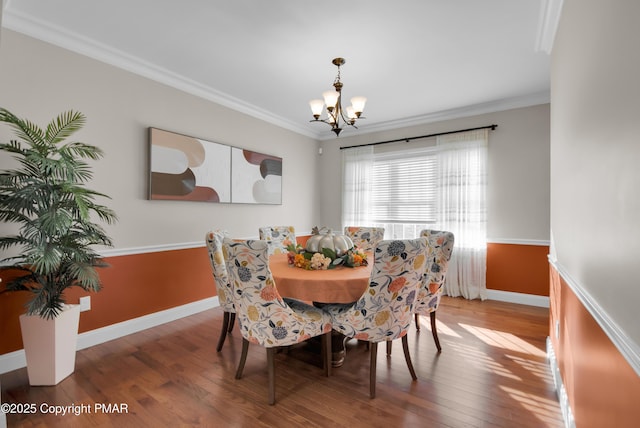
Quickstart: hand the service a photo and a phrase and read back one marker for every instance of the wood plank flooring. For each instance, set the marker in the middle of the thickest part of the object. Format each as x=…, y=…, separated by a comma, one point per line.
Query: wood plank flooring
x=492, y=372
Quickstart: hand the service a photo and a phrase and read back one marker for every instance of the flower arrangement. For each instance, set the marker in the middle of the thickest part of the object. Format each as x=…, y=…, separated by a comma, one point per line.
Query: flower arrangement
x=327, y=259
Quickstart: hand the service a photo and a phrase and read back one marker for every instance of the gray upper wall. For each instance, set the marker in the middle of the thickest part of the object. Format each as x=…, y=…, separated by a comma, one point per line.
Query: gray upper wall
x=595, y=158
x=40, y=80
x=518, y=170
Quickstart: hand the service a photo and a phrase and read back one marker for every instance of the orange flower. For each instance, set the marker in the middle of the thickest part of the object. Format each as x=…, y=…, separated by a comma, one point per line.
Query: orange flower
x=300, y=261
x=397, y=284
x=357, y=259
x=269, y=293
x=433, y=287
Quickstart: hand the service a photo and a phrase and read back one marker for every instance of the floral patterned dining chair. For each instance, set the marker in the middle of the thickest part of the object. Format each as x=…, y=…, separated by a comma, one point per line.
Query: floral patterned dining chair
x=214, y=240
x=440, y=248
x=265, y=318
x=278, y=237
x=385, y=310
x=365, y=238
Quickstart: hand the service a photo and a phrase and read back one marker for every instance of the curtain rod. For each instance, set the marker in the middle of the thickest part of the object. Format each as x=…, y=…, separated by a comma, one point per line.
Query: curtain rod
x=406, y=140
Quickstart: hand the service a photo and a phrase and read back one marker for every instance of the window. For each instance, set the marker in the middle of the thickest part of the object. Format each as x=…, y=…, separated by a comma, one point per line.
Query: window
x=404, y=189
x=403, y=192
x=440, y=187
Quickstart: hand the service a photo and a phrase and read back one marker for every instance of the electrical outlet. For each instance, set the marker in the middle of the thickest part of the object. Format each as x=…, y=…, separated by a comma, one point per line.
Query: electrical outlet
x=557, y=329
x=85, y=303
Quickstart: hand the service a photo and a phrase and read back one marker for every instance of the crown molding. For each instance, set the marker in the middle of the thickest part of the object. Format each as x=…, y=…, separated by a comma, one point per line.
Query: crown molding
x=84, y=46
x=550, y=11
x=63, y=38
x=538, y=98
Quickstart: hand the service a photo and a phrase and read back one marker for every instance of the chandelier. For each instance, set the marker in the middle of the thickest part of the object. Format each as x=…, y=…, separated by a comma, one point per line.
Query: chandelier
x=333, y=100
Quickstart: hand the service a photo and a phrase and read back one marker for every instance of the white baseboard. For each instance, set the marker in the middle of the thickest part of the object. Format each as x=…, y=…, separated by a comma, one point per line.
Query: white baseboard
x=521, y=298
x=17, y=360
x=563, y=399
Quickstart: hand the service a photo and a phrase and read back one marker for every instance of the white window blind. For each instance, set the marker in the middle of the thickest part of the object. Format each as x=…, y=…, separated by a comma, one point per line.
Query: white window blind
x=404, y=188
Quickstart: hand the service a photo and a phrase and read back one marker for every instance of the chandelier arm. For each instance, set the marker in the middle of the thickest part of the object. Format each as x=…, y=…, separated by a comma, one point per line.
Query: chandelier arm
x=346, y=120
x=335, y=113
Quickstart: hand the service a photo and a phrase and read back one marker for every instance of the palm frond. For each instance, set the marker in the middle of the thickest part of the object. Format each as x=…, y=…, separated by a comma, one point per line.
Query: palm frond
x=46, y=196
x=29, y=132
x=81, y=150
x=64, y=126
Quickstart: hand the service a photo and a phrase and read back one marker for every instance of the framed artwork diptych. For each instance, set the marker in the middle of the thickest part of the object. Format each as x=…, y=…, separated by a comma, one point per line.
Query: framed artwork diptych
x=186, y=168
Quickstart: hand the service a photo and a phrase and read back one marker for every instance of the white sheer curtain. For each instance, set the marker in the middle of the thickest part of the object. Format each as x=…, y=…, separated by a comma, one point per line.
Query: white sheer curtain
x=462, y=209
x=357, y=167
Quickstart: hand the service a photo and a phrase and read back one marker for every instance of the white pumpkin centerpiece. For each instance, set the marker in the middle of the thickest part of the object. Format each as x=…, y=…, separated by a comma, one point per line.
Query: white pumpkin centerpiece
x=340, y=244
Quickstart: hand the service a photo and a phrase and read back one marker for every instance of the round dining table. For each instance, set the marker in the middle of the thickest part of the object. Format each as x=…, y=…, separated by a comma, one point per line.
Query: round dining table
x=339, y=285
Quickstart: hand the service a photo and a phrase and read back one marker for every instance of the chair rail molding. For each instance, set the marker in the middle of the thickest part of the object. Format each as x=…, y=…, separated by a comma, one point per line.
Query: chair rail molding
x=627, y=347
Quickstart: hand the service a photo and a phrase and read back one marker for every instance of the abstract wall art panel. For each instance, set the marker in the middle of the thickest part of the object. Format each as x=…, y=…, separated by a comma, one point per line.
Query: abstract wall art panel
x=190, y=169
x=255, y=178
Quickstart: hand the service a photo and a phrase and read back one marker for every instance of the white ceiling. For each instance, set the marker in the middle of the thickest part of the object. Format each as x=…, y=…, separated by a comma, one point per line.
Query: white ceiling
x=416, y=61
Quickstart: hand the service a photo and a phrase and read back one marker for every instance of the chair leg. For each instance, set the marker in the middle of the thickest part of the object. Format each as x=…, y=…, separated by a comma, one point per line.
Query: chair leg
x=388, y=348
x=434, y=331
x=407, y=357
x=326, y=353
x=223, y=333
x=232, y=321
x=417, y=322
x=271, y=367
x=243, y=358
x=373, y=355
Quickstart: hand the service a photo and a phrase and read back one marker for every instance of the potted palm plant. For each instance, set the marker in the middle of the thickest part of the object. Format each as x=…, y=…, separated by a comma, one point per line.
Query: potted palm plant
x=45, y=198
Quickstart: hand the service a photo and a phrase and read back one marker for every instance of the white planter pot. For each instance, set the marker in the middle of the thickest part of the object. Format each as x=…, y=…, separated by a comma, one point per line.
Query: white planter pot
x=50, y=345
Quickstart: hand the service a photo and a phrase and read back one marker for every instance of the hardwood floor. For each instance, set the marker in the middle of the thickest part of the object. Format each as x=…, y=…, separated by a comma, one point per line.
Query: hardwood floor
x=492, y=372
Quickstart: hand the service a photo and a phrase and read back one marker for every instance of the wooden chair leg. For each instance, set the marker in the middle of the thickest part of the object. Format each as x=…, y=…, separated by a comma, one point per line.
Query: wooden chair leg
x=388, y=348
x=223, y=333
x=232, y=321
x=407, y=357
x=326, y=354
x=243, y=358
x=271, y=367
x=373, y=355
x=434, y=331
x=417, y=322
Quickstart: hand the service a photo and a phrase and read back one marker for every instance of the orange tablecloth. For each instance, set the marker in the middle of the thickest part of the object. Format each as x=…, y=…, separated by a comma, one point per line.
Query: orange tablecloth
x=339, y=285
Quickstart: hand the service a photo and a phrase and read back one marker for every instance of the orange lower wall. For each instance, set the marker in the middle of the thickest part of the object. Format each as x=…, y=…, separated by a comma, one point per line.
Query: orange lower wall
x=518, y=268
x=602, y=387
x=133, y=286
x=141, y=284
